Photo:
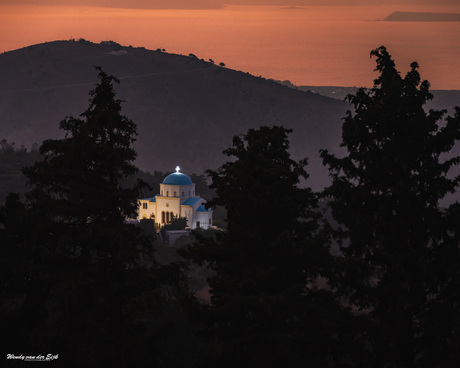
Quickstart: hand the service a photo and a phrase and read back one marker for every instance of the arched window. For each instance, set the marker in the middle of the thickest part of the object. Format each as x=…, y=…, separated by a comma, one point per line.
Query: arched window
x=174, y=194
x=172, y=215
x=163, y=217
x=161, y=193
x=198, y=224
x=167, y=193
x=209, y=221
x=167, y=216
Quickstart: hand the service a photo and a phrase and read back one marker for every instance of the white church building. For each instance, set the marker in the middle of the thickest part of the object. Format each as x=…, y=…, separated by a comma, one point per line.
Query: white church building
x=177, y=198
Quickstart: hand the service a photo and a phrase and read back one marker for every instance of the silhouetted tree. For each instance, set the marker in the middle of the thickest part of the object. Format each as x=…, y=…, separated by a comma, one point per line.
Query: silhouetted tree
x=76, y=280
x=441, y=338
x=265, y=306
x=385, y=193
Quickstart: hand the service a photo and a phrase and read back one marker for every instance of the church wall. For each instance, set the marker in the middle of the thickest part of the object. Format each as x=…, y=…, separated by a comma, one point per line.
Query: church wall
x=169, y=190
x=204, y=219
x=175, y=200
x=187, y=212
x=167, y=204
x=147, y=212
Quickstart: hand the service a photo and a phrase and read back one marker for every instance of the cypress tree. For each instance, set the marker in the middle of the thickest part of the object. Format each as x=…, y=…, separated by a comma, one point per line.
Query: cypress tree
x=386, y=195
x=76, y=279
x=266, y=306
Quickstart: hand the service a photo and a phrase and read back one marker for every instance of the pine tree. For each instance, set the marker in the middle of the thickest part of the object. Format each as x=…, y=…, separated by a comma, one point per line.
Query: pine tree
x=385, y=194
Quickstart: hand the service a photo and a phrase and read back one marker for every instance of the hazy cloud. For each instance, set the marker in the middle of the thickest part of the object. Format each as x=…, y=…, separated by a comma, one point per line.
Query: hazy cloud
x=214, y=4
x=137, y=4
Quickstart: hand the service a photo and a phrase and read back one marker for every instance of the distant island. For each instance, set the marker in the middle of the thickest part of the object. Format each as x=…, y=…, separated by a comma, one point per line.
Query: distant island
x=401, y=16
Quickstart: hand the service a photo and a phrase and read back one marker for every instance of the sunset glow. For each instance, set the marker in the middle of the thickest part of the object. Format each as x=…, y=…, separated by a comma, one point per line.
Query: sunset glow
x=311, y=45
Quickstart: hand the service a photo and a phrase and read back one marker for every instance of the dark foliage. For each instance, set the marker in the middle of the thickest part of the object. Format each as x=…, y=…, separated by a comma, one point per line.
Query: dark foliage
x=12, y=160
x=177, y=223
x=394, y=269
x=267, y=309
x=75, y=279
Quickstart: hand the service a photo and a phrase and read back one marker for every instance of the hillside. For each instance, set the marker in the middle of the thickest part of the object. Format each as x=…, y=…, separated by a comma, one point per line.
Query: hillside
x=187, y=110
x=442, y=99
x=403, y=16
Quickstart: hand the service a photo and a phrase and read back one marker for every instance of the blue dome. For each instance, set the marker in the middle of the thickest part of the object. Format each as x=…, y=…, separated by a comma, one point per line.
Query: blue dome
x=202, y=209
x=177, y=178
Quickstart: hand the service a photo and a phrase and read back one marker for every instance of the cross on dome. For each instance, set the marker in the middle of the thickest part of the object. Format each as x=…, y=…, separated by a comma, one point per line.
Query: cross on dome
x=177, y=169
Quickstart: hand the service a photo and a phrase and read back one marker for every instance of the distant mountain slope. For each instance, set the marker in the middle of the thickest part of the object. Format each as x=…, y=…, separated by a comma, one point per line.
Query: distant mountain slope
x=187, y=110
x=442, y=99
x=403, y=16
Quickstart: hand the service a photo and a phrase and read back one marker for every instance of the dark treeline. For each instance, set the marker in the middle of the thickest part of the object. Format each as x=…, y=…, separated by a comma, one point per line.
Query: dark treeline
x=12, y=160
x=378, y=286
x=12, y=179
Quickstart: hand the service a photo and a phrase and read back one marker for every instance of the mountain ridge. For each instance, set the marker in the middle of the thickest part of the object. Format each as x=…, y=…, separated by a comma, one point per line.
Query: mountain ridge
x=187, y=110
x=405, y=16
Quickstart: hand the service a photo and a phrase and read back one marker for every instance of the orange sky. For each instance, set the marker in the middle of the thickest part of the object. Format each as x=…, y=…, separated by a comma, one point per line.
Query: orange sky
x=309, y=45
x=218, y=3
